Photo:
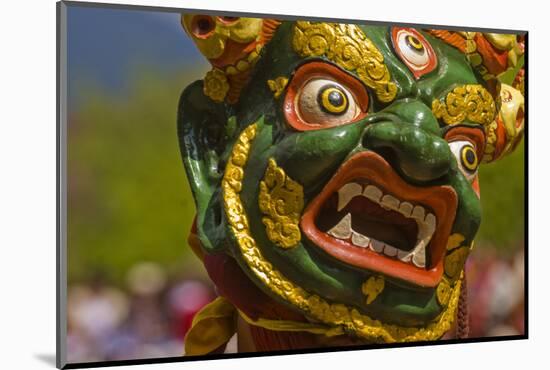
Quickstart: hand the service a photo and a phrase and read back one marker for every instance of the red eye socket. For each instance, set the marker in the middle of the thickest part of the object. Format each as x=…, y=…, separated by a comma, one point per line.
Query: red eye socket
x=321, y=95
x=472, y=134
x=228, y=20
x=202, y=26
x=467, y=144
x=414, y=50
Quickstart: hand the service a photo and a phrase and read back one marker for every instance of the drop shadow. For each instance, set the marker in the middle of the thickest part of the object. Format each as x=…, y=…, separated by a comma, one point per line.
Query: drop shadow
x=47, y=358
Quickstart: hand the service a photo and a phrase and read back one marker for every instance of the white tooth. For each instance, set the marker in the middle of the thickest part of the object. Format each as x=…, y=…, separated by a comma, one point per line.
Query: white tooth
x=418, y=213
x=390, y=202
x=343, y=229
x=406, y=208
x=404, y=255
x=422, y=243
x=373, y=193
x=347, y=192
x=424, y=231
x=390, y=251
x=430, y=222
x=377, y=246
x=419, y=256
x=359, y=240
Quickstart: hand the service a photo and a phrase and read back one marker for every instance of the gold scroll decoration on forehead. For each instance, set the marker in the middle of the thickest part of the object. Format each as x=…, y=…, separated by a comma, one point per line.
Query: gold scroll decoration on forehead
x=472, y=103
x=502, y=120
x=347, y=46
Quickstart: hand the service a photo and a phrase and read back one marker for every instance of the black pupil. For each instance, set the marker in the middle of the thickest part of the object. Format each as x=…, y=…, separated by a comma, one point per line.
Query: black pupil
x=414, y=43
x=335, y=98
x=470, y=156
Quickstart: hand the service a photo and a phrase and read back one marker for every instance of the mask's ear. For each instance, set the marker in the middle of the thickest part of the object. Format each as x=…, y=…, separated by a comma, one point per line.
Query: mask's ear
x=202, y=139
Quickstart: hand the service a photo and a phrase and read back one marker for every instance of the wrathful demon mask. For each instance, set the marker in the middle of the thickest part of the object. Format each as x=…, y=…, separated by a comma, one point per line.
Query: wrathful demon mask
x=334, y=170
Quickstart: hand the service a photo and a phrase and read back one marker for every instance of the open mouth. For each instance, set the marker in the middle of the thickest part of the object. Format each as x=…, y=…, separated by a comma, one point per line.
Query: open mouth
x=367, y=216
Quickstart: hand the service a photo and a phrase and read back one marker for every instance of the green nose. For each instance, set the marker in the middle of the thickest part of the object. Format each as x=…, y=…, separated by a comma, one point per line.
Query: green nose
x=408, y=136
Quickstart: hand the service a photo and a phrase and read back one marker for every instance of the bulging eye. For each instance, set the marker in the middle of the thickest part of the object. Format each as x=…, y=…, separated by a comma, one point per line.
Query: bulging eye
x=466, y=157
x=321, y=95
x=325, y=102
x=414, y=50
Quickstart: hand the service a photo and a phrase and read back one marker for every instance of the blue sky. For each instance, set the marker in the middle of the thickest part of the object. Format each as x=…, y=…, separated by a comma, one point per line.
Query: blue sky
x=104, y=44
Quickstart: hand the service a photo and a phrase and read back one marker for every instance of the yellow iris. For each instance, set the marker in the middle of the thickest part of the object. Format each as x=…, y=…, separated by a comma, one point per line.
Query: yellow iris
x=469, y=158
x=414, y=43
x=333, y=100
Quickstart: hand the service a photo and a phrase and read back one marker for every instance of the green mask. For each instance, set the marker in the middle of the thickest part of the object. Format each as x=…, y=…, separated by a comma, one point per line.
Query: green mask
x=336, y=165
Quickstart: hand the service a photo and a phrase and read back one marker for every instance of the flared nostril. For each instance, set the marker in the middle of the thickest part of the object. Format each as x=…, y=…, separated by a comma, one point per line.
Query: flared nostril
x=417, y=155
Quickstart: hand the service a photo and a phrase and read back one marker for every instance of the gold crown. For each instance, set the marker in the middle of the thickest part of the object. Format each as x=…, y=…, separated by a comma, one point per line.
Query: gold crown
x=232, y=45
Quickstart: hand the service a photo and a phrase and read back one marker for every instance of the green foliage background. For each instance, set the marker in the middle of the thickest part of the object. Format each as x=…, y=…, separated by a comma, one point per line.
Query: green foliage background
x=129, y=201
x=503, y=203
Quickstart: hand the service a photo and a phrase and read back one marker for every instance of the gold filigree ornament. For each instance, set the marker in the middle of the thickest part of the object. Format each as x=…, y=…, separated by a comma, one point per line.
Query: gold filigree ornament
x=443, y=291
x=347, y=46
x=454, y=261
x=471, y=103
x=454, y=241
x=334, y=315
x=216, y=85
x=277, y=85
x=372, y=288
x=281, y=200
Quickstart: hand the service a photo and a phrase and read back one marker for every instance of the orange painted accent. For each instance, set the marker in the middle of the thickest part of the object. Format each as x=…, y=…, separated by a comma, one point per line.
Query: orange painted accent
x=451, y=38
x=236, y=84
x=442, y=200
x=496, y=61
x=268, y=29
x=475, y=185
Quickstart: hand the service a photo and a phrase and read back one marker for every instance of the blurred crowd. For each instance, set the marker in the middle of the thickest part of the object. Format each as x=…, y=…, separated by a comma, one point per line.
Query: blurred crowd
x=149, y=316
x=146, y=318
x=496, y=293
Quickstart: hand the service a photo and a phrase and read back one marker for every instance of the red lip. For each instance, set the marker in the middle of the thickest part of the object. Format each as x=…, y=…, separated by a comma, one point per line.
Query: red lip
x=442, y=200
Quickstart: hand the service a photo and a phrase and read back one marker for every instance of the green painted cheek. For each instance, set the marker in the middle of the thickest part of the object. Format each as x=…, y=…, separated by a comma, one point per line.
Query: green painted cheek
x=298, y=263
x=313, y=156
